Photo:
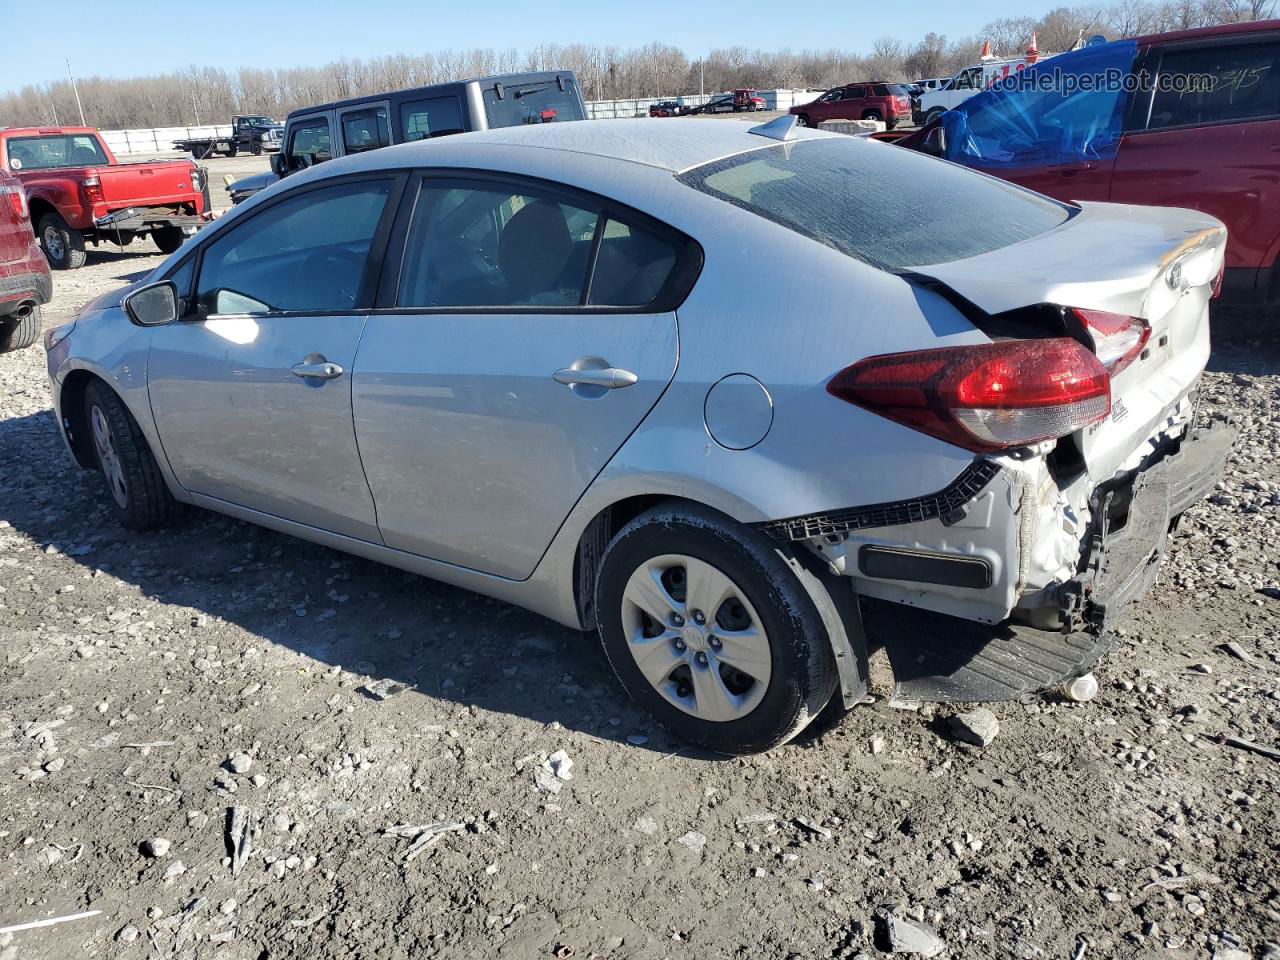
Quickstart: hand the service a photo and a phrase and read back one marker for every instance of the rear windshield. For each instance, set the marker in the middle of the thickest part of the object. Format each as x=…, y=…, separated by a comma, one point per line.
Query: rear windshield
x=893, y=208
x=61, y=150
x=540, y=102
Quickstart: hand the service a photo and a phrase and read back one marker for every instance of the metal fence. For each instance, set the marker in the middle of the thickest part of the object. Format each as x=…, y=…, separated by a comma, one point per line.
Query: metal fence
x=160, y=139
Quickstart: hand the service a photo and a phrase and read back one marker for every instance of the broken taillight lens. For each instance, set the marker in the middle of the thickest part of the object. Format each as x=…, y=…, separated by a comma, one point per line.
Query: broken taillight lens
x=1118, y=340
x=987, y=397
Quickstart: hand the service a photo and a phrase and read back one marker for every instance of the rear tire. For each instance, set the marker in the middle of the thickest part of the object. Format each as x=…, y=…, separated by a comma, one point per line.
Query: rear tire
x=872, y=115
x=803, y=120
x=62, y=246
x=168, y=239
x=135, y=487
x=19, y=333
x=742, y=678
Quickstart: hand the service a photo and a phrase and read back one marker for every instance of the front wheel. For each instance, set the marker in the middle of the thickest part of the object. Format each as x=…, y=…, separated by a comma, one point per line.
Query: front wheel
x=139, y=495
x=168, y=239
x=933, y=115
x=708, y=629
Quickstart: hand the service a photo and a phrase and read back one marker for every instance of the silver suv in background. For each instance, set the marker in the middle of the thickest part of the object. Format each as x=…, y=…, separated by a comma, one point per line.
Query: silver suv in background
x=315, y=134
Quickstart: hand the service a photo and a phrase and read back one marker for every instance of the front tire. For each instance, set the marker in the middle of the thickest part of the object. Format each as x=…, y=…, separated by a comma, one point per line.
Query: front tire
x=933, y=115
x=18, y=333
x=138, y=494
x=707, y=628
x=62, y=246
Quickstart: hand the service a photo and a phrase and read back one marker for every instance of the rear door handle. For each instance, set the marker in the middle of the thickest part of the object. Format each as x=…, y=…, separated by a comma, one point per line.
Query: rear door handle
x=317, y=369
x=611, y=378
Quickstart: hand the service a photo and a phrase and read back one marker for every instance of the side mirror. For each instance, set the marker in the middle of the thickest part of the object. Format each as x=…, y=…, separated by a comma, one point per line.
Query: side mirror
x=278, y=166
x=935, y=142
x=153, y=305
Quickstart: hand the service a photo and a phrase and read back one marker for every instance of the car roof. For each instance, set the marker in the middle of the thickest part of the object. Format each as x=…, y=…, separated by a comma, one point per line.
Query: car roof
x=673, y=145
x=513, y=79
x=44, y=131
x=1223, y=29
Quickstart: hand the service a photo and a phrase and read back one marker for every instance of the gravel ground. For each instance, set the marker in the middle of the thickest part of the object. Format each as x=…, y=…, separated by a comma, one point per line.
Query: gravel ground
x=149, y=684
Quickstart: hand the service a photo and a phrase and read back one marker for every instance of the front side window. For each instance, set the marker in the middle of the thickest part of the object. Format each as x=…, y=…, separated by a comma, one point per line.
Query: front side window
x=310, y=143
x=894, y=209
x=473, y=245
x=305, y=253
x=1066, y=109
x=540, y=101
x=365, y=130
x=51, y=152
x=420, y=119
x=1217, y=84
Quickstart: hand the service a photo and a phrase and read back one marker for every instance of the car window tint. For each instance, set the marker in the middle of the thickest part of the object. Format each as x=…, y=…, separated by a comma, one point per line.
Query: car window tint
x=421, y=119
x=1023, y=121
x=50, y=152
x=310, y=139
x=304, y=253
x=489, y=246
x=1236, y=82
x=365, y=130
x=892, y=208
x=632, y=266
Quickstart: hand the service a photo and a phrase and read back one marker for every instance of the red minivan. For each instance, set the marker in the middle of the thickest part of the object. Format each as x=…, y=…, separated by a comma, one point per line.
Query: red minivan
x=25, y=283
x=1187, y=119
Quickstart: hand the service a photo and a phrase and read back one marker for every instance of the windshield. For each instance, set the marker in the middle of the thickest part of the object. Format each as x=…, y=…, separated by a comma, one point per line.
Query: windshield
x=261, y=121
x=892, y=208
x=540, y=102
x=50, y=152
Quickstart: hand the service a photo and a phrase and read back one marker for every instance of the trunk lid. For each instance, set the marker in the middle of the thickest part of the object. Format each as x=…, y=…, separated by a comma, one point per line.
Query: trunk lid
x=1155, y=263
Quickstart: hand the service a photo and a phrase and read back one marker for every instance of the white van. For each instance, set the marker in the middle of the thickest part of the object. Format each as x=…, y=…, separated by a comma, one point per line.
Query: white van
x=970, y=80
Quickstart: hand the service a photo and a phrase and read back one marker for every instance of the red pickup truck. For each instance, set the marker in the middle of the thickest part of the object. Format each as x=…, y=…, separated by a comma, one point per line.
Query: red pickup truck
x=77, y=191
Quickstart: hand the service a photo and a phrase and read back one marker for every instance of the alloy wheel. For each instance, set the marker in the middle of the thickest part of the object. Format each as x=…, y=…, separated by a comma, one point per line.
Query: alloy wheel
x=112, y=469
x=696, y=637
x=53, y=244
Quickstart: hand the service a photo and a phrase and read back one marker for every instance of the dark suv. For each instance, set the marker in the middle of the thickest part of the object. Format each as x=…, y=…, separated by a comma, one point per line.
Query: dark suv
x=889, y=102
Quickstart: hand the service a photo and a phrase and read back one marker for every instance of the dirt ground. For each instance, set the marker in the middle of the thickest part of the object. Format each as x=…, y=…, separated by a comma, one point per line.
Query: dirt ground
x=151, y=683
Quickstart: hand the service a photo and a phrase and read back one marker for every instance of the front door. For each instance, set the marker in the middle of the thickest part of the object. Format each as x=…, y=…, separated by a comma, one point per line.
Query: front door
x=531, y=333
x=252, y=392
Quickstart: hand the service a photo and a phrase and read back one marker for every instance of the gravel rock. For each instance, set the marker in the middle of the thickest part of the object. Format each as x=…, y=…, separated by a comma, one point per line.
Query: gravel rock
x=240, y=763
x=912, y=936
x=127, y=934
x=693, y=840
x=156, y=847
x=978, y=727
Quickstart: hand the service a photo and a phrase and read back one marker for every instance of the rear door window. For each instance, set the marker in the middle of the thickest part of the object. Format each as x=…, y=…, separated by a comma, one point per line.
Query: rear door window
x=310, y=139
x=365, y=130
x=892, y=208
x=1217, y=84
x=420, y=119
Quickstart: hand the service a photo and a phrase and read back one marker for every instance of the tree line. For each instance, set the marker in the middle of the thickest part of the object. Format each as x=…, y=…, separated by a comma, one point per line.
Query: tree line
x=209, y=94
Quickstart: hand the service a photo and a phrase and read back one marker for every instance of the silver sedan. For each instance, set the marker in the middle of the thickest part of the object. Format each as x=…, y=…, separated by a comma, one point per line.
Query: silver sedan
x=718, y=392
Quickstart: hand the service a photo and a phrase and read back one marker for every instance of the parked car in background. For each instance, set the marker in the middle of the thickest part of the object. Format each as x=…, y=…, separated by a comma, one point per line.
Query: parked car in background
x=668, y=108
x=720, y=104
x=25, y=283
x=744, y=99
x=316, y=134
x=970, y=80
x=254, y=134
x=888, y=102
x=78, y=191
x=932, y=83
x=462, y=358
x=1213, y=148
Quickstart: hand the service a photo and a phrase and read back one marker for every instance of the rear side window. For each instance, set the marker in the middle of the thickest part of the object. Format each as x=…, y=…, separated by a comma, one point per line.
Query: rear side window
x=305, y=253
x=310, y=139
x=892, y=208
x=538, y=102
x=1220, y=83
x=880, y=90
x=365, y=130
x=420, y=119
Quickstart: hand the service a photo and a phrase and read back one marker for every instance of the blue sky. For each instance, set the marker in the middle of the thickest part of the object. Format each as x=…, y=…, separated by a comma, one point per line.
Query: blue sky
x=135, y=37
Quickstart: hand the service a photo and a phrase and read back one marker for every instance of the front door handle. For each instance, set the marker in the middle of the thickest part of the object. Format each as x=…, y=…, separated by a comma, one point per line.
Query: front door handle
x=611, y=378
x=317, y=369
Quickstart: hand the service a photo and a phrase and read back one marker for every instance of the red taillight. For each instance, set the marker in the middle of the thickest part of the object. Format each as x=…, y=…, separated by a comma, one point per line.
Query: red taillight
x=17, y=200
x=987, y=397
x=92, y=189
x=1118, y=340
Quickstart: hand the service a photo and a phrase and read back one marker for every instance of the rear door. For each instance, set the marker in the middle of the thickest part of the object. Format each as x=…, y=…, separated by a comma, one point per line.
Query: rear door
x=498, y=380
x=1215, y=148
x=366, y=127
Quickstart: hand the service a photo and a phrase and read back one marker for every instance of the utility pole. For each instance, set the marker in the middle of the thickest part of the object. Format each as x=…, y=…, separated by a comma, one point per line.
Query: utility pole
x=702, y=78
x=76, y=90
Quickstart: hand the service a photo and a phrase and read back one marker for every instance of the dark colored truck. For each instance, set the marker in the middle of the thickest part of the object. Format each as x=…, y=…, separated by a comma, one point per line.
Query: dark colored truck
x=315, y=134
x=78, y=191
x=255, y=134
